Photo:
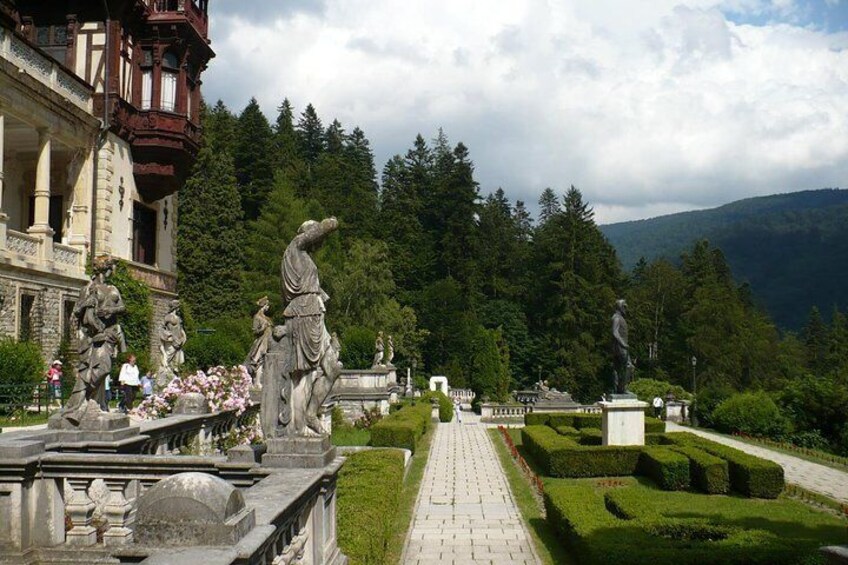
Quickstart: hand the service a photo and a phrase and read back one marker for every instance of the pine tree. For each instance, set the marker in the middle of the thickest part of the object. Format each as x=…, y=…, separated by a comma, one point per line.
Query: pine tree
x=285, y=139
x=210, y=238
x=219, y=128
x=310, y=134
x=548, y=205
x=815, y=343
x=253, y=158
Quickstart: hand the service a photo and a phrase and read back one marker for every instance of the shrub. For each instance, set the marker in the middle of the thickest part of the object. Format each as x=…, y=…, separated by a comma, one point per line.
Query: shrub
x=403, y=428
x=445, y=405
x=708, y=473
x=357, y=347
x=570, y=431
x=20, y=363
x=753, y=413
x=654, y=425
x=368, y=499
x=648, y=389
x=591, y=436
x=224, y=389
x=560, y=456
x=537, y=419
x=669, y=469
x=707, y=400
x=749, y=475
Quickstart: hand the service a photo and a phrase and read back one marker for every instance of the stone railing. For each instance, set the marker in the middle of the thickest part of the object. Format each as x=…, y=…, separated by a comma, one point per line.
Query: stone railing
x=22, y=243
x=200, y=433
x=153, y=277
x=65, y=255
x=32, y=61
x=491, y=412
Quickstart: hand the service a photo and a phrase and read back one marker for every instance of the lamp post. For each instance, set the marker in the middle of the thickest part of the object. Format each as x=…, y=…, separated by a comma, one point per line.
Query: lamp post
x=694, y=418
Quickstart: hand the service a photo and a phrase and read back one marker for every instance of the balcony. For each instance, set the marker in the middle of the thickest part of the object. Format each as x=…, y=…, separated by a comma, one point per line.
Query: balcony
x=192, y=12
x=164, y=145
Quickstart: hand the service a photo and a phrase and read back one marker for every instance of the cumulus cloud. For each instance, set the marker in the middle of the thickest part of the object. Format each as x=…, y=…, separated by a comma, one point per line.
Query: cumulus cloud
x=647, y=106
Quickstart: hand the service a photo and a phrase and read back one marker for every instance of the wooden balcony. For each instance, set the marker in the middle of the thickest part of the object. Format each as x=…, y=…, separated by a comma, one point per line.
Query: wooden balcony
x=179, y=12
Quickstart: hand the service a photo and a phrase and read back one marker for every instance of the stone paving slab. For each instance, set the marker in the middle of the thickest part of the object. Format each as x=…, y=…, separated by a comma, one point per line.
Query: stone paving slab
x=465, y=512
x=811, y=476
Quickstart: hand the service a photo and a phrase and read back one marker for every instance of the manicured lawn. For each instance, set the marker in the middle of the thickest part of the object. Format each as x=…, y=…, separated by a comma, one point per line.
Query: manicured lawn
x=348, y=435
x=548, y=547
x=21, y=419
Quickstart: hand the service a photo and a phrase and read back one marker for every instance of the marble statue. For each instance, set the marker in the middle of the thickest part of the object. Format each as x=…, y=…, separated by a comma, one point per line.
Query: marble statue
x=390, y=355
x=378, y=350
x=622, y=365
x=100, y=340
x=263, y=327
x=302, y=362
x=172, y=339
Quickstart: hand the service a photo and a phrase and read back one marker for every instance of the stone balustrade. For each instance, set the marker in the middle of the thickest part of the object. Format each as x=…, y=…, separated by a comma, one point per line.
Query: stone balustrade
x=493, y=412
x=23, y=244
x=68, y=257
x=35, y=63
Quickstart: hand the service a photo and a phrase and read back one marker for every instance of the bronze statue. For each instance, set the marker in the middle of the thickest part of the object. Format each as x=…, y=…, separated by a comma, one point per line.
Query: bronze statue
x=100, y=339
x=622, y=364
x=302, y=362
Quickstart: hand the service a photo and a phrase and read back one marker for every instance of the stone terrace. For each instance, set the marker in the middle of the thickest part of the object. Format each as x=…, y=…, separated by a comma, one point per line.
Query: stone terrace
x=465, y=512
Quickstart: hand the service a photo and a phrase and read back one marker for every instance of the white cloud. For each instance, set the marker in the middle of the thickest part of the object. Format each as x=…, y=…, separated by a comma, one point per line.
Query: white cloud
x=645, y=105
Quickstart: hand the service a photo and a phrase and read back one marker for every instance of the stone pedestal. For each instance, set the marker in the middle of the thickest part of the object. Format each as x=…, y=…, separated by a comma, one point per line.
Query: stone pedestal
x=94, y=425
x=623, y=422
x=299, y=452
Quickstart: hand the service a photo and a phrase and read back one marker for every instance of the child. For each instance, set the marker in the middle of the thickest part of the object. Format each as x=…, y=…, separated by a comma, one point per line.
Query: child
x=146, y=385
x=54, y=380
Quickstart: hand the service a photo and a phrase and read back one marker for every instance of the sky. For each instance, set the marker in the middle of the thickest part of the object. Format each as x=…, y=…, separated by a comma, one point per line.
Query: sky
x=649, y=107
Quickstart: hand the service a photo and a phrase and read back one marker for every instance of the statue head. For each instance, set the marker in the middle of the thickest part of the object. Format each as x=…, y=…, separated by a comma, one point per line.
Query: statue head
x=263, y=303
x=103, y=265
x=305, y=226
x=621, y=306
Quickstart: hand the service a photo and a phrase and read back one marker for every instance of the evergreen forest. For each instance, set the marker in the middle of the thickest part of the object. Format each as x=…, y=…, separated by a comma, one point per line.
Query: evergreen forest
x=475, y=287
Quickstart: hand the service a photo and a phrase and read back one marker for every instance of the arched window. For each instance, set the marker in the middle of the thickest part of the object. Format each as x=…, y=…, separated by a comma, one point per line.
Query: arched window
x=170, y=73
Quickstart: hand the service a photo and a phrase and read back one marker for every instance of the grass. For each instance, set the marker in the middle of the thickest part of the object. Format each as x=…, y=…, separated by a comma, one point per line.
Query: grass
x=23, y=419
x=408, y=497
x=350, y=436
x=545, y=538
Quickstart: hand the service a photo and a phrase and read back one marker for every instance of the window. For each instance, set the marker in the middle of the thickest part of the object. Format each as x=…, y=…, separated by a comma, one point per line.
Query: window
x=170, y=73
x=147, y=80
x=53, y=40
x=26, y=328
x=144, y=234
x=67, y=318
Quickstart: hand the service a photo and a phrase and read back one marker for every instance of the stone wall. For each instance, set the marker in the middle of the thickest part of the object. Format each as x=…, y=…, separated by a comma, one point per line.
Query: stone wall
x=48, y=311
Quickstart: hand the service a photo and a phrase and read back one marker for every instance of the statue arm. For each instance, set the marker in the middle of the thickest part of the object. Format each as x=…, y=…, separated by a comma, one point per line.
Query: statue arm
x=317, y=233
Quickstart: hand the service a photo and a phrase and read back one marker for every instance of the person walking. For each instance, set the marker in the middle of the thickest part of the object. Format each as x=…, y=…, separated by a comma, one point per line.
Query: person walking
x=54, y=382
x=146, y=385
x=658, y=406
x=129, y=381
x=457, y=409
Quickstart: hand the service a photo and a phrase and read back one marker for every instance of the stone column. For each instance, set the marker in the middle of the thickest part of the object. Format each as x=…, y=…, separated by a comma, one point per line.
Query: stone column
x=118, y=513
x=80, y=510
x=3, y=216
x=41, y=223
x=80, y=218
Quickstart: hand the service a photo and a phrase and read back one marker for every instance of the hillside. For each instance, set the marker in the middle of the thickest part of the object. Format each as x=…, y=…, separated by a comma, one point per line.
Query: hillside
x=791, y=248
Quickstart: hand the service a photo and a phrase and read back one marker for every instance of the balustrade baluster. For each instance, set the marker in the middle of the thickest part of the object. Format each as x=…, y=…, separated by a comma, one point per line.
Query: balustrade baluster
x=80, y=510
x=119, y=513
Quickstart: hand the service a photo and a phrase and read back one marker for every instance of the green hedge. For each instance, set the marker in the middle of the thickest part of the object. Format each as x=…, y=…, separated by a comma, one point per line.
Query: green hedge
x=536, y=419
x=654, y=425
x=445, y=405
x=403, y=428
x=587, y=520
x=591, y=436
x=569, y=431
x=560, y=456
x=749, y=475
x=708, y=473
x=669, y=469
x=368, y=499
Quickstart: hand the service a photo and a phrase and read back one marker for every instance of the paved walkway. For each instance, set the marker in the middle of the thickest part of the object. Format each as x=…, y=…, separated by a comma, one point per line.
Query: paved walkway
x=465, y=512
x=811, y=476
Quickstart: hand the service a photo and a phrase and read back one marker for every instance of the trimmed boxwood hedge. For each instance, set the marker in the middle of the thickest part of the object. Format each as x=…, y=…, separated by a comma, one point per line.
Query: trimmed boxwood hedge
x=749, y=475
x=580, y=421
x=708, y=473
x=669, y=469
x=587, y=520
x=560, y=456
x=445, y=404
x=368, y=498
x=591, y=436
x=569, y=431
x=403, y=428
x=654, y=425
x=536, y=419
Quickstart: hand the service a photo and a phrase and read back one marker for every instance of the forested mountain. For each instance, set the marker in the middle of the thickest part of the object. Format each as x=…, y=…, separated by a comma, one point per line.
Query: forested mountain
x=791, y=249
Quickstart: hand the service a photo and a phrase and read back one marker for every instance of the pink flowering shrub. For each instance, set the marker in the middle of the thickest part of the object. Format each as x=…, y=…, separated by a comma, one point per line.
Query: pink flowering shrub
x=224, y=389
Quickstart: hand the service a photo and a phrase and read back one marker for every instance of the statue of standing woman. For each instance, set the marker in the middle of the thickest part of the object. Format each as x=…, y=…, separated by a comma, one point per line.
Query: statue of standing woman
x=378, y=350
x=263, y=327
x=302, y=362
x=100, y=340
x=172, y=339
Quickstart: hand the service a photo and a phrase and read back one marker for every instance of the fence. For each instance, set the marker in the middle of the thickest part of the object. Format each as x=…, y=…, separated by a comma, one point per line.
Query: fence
x=21, y=399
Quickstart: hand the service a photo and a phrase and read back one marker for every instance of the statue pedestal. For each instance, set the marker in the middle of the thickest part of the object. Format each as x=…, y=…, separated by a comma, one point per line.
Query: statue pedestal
x=623, y=422
x=299, y=452
x=94, y=425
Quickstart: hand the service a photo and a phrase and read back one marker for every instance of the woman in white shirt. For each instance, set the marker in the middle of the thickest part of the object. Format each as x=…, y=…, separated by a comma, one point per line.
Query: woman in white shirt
x=128, y=379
